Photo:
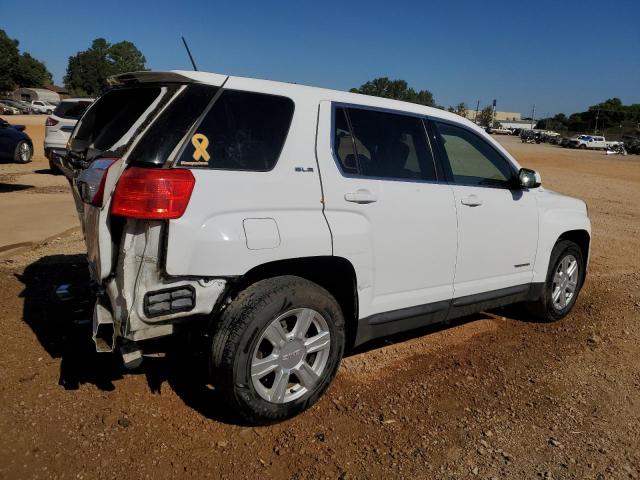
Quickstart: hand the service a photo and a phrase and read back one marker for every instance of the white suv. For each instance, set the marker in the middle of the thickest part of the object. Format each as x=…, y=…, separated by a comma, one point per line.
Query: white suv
x=288, y=223
x=60, y=124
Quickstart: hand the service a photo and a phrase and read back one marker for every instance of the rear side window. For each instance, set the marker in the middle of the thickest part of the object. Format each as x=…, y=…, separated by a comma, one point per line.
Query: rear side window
x=372, y=143
x=71, y=110
x=172, y=125
x=241, y=131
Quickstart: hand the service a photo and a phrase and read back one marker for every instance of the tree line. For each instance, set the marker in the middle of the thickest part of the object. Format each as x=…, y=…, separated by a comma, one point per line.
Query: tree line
x=87, y=70
x=610, y=114
x=400, y=90
x=20, y=69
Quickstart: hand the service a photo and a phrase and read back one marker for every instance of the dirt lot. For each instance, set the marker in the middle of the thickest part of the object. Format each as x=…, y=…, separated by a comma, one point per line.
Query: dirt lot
x=26, y=189
x=487, y=397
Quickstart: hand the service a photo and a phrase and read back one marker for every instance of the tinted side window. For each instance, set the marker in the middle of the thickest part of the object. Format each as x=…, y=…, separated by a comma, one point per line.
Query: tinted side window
x=242, y=131
x=471, y=159
x=390, y=145
x=343, y=145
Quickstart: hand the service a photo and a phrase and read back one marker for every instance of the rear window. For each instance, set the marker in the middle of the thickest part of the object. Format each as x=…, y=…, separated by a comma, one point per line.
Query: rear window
x=71, y=110
x=110, y=123
x=241, y=131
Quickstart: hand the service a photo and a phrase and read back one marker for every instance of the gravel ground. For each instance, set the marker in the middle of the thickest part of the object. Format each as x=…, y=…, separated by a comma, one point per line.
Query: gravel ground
x=491, y=396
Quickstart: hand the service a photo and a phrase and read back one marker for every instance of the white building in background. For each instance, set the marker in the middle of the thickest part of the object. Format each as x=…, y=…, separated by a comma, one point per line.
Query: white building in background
x=31, y=94
x=512, y=124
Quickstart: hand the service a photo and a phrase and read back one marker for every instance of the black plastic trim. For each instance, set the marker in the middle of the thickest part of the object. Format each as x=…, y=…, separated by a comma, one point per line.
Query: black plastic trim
x=145, y=302
x=405, y=319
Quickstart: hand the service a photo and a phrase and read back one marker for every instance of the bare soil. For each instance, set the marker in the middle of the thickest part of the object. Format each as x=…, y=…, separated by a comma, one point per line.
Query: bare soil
x=36, y=203
x=491, y=396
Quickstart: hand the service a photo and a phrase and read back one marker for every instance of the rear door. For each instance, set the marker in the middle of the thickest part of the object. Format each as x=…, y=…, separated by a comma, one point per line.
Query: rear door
x=497, y=222
x=389, y=212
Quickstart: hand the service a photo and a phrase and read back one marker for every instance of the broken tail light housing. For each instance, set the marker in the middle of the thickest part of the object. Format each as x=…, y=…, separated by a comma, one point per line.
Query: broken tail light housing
x=153, y=193
x=91, y=181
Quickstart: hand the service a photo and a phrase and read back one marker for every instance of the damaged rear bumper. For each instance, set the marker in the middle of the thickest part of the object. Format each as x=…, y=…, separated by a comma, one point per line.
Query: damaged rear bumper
x=140, y=302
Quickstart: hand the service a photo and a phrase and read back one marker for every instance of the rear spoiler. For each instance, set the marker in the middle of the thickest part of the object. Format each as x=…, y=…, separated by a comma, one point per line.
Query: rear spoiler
x=177, y=76
x=147, y=77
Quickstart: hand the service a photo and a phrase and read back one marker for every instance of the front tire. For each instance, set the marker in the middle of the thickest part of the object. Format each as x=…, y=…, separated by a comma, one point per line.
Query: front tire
x=277, y=348
x=564, y=281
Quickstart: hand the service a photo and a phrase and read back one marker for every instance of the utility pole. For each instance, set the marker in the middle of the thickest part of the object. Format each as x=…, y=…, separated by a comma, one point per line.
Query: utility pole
x=475, y=119
x=493, y=118
x=533, y=117
x=595, y=130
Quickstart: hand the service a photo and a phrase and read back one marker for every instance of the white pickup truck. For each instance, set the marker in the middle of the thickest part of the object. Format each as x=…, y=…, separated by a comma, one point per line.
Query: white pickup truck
x=594, y=142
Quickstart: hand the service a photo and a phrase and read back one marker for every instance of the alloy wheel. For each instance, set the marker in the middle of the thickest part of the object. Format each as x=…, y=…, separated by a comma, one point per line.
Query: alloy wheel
x=291, y=355
x=565, y=282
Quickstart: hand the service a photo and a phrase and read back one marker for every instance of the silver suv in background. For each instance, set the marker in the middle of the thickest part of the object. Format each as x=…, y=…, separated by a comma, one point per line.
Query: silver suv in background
x=60, y=124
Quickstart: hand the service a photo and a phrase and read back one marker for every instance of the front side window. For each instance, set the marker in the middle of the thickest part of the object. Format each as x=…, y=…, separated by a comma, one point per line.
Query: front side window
x=471, y=160
x=241, y=131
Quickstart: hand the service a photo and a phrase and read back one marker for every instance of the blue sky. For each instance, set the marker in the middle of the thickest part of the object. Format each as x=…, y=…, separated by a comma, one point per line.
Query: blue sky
x=561, y=55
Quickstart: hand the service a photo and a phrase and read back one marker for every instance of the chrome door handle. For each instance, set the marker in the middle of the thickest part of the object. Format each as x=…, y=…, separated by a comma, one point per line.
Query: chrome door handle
x=472, y=200
x=360, y=196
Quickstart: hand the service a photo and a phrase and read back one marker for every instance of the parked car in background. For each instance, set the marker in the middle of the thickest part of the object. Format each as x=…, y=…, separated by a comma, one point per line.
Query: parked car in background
x=15, y=145
x=592, y=142
x=6, y=109
x=283, y=224
x=499, y=131
x=632, y=144
x=60, y=124
x=23, y=107
x=40, y=106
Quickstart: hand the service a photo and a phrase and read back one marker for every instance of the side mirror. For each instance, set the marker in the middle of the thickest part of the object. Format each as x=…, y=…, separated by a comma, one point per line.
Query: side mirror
x=529, y=178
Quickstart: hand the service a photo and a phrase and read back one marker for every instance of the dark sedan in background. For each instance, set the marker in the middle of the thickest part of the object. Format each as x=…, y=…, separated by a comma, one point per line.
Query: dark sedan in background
x=15, y=145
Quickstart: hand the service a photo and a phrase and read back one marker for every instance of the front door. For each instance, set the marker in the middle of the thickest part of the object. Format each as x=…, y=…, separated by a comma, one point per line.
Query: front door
x=497, y=222
x=389, y=214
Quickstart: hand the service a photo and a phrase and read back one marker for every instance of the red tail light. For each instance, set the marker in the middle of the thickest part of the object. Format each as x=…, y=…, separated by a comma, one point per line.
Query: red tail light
x=50, y=122
x=153, y=193
x=91, y=181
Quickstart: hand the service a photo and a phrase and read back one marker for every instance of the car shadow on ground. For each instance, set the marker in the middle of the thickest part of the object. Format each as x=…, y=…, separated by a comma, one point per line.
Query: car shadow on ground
x=13, y=187
x=64, y=331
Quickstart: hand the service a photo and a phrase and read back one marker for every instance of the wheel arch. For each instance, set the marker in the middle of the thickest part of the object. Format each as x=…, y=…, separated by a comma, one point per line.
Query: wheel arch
x=582, y=238
x=335, y=274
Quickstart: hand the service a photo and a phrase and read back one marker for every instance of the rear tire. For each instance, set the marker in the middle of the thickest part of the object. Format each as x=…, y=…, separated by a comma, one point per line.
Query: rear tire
x=23, y=152
x=286, y=326
x=556, y=301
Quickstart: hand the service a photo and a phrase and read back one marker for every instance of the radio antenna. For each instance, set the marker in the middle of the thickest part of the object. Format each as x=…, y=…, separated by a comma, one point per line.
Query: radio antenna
x=189, y=53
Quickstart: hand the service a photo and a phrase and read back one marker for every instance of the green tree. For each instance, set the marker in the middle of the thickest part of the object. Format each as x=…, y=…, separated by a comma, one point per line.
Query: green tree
x=30, y=72
x=461, y=109
x=125, y=57
x=485, y=116
x=88, y=70
x=8, y=59
x=20, y=70
x=395, y=89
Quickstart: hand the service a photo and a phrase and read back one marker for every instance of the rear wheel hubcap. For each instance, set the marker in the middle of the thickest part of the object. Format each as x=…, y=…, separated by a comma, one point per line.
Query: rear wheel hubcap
x=291, y=355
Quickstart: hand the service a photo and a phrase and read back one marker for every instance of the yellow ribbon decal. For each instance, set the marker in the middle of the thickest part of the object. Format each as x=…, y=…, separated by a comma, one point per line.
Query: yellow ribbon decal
x=200, y=143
